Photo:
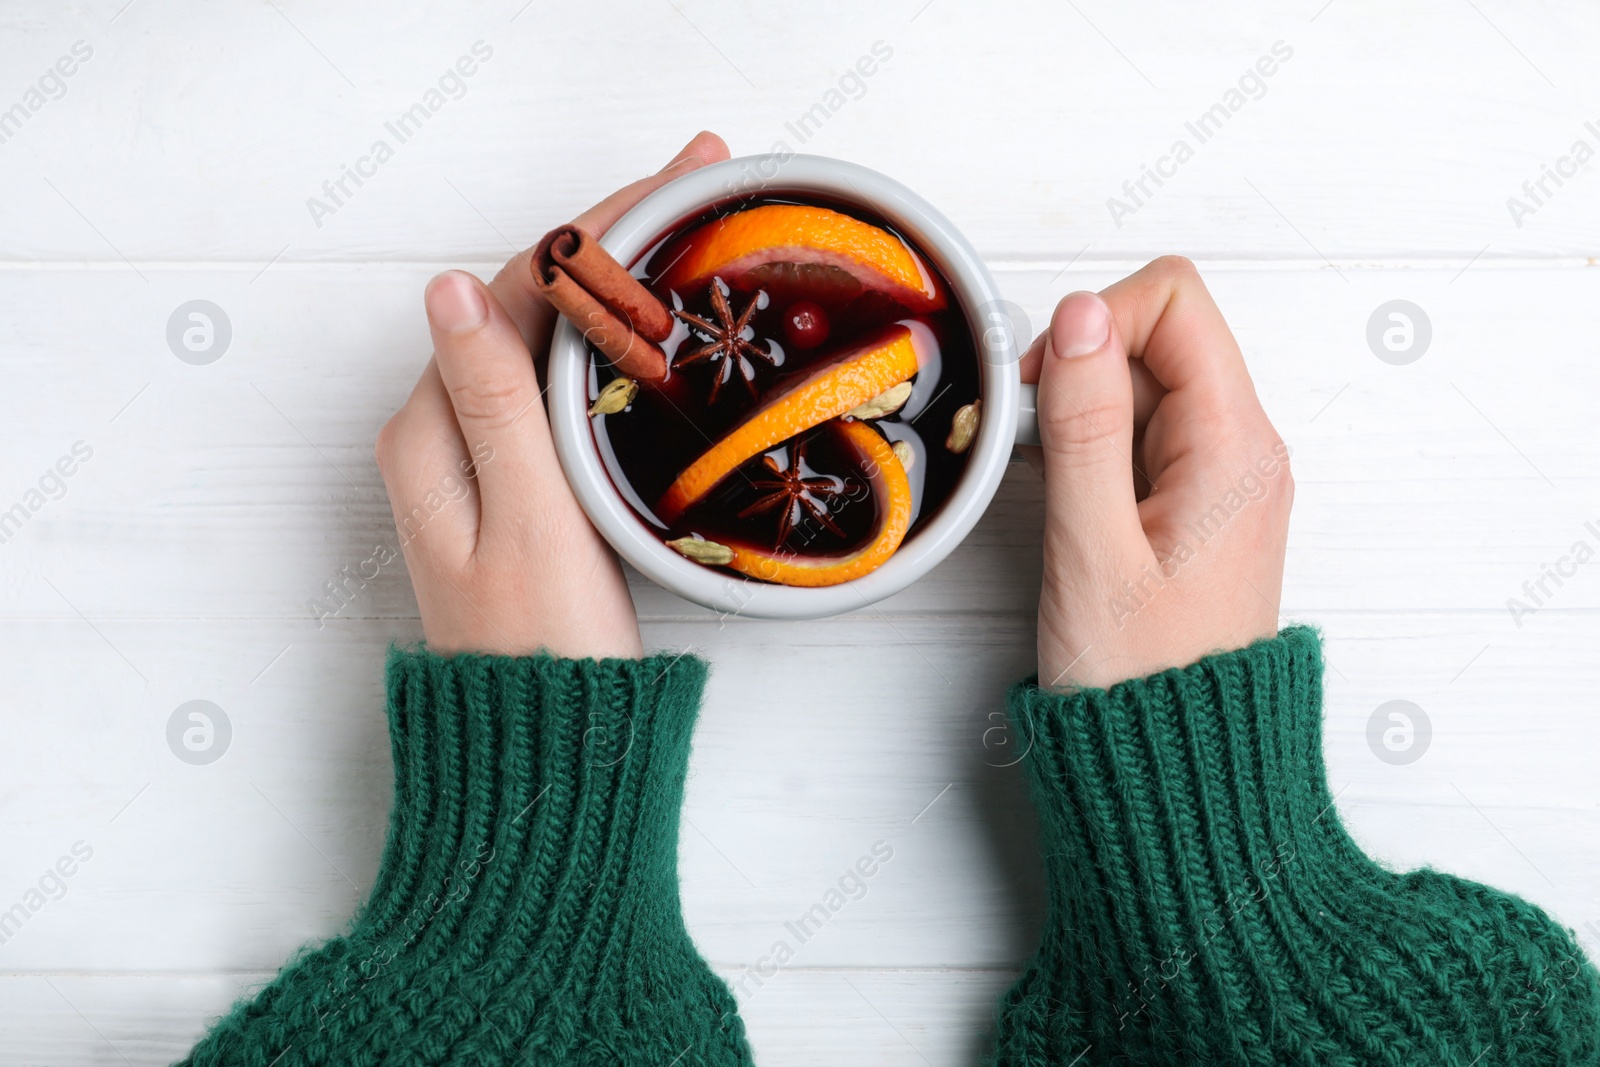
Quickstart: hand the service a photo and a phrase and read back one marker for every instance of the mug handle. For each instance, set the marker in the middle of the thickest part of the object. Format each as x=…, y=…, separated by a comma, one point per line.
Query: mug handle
x=1028, y=415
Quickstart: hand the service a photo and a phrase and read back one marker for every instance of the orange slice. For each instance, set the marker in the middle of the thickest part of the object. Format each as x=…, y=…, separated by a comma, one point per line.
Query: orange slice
x=774, y=243
x=886, y=476
x=830, y=390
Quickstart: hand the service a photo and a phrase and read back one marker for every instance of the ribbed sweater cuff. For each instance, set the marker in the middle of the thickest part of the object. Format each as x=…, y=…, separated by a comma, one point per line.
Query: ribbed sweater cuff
x=1170, y=805
x=536, y=807
x=1232, y=744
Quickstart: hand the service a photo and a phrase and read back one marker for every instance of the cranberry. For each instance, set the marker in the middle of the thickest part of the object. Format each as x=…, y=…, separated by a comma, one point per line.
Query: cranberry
x=805, y=324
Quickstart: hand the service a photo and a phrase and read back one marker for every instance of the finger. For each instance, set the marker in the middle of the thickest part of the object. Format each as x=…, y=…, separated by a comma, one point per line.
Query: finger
x=485, y=369
x=513, y=285
x=423, y=459
x=1147, y=392
x=1033, y=358
x=1086, y=427
x=1170, y=321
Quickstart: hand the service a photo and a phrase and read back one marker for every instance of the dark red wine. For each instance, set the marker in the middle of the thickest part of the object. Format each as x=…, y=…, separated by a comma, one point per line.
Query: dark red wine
x=750, y=334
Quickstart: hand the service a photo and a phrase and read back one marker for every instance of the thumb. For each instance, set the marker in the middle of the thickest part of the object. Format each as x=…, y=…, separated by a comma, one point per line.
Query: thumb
x=1086, y=426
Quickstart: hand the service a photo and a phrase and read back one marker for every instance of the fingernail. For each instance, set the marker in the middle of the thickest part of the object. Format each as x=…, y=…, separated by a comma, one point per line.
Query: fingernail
x=684, y=155
x=1082, y=325
x=454, y=303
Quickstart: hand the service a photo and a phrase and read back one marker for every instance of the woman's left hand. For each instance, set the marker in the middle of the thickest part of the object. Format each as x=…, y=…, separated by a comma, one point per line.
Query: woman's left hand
x=502, y=557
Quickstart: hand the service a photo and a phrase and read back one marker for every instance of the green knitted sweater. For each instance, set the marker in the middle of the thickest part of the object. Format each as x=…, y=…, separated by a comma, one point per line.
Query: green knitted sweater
x=526, y=907
x=1207, y=908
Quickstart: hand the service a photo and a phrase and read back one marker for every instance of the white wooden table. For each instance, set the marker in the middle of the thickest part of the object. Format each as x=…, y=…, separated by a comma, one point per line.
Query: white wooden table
x=176, y=562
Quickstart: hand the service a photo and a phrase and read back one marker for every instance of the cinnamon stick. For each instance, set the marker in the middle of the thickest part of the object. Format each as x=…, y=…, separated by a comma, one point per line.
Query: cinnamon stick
x=612, y=308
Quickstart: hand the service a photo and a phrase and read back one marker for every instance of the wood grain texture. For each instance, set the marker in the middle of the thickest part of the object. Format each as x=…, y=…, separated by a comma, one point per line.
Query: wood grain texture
x=179, y=560
x=1390, y=132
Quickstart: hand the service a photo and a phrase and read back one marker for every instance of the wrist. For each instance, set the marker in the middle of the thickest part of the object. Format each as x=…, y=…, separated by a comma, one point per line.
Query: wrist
x=530, y=626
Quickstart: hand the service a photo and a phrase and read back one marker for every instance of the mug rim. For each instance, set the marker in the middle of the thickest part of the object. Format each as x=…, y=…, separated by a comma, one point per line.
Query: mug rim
x=935, y=236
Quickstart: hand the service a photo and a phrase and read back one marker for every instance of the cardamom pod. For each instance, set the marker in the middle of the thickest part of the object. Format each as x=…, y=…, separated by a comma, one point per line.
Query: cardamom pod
x=904, y=452
x=963, y=427
x=887, y=402
x=617, y=395
x=703, y=551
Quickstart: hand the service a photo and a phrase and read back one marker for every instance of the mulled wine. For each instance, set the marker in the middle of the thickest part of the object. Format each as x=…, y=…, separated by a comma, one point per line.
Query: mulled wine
x=820, y=398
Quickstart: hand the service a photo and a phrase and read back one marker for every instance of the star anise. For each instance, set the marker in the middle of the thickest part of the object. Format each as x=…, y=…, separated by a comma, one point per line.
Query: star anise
x=727, y=347
x=796, y=494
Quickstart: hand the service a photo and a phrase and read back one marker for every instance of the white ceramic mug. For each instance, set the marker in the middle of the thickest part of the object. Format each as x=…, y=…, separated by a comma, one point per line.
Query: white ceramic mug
x=1008, y=405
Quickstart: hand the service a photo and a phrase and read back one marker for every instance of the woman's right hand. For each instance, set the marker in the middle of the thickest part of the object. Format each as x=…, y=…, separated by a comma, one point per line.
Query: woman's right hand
x=1167, y=489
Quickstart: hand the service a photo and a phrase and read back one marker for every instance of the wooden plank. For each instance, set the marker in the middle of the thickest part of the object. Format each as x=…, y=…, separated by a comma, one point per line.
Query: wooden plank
x=213, y=133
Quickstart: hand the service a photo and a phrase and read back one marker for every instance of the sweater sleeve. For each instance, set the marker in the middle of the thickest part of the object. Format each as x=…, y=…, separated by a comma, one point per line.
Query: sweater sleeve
x=535, y=798
x=1207, y=905
x=526, y=907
